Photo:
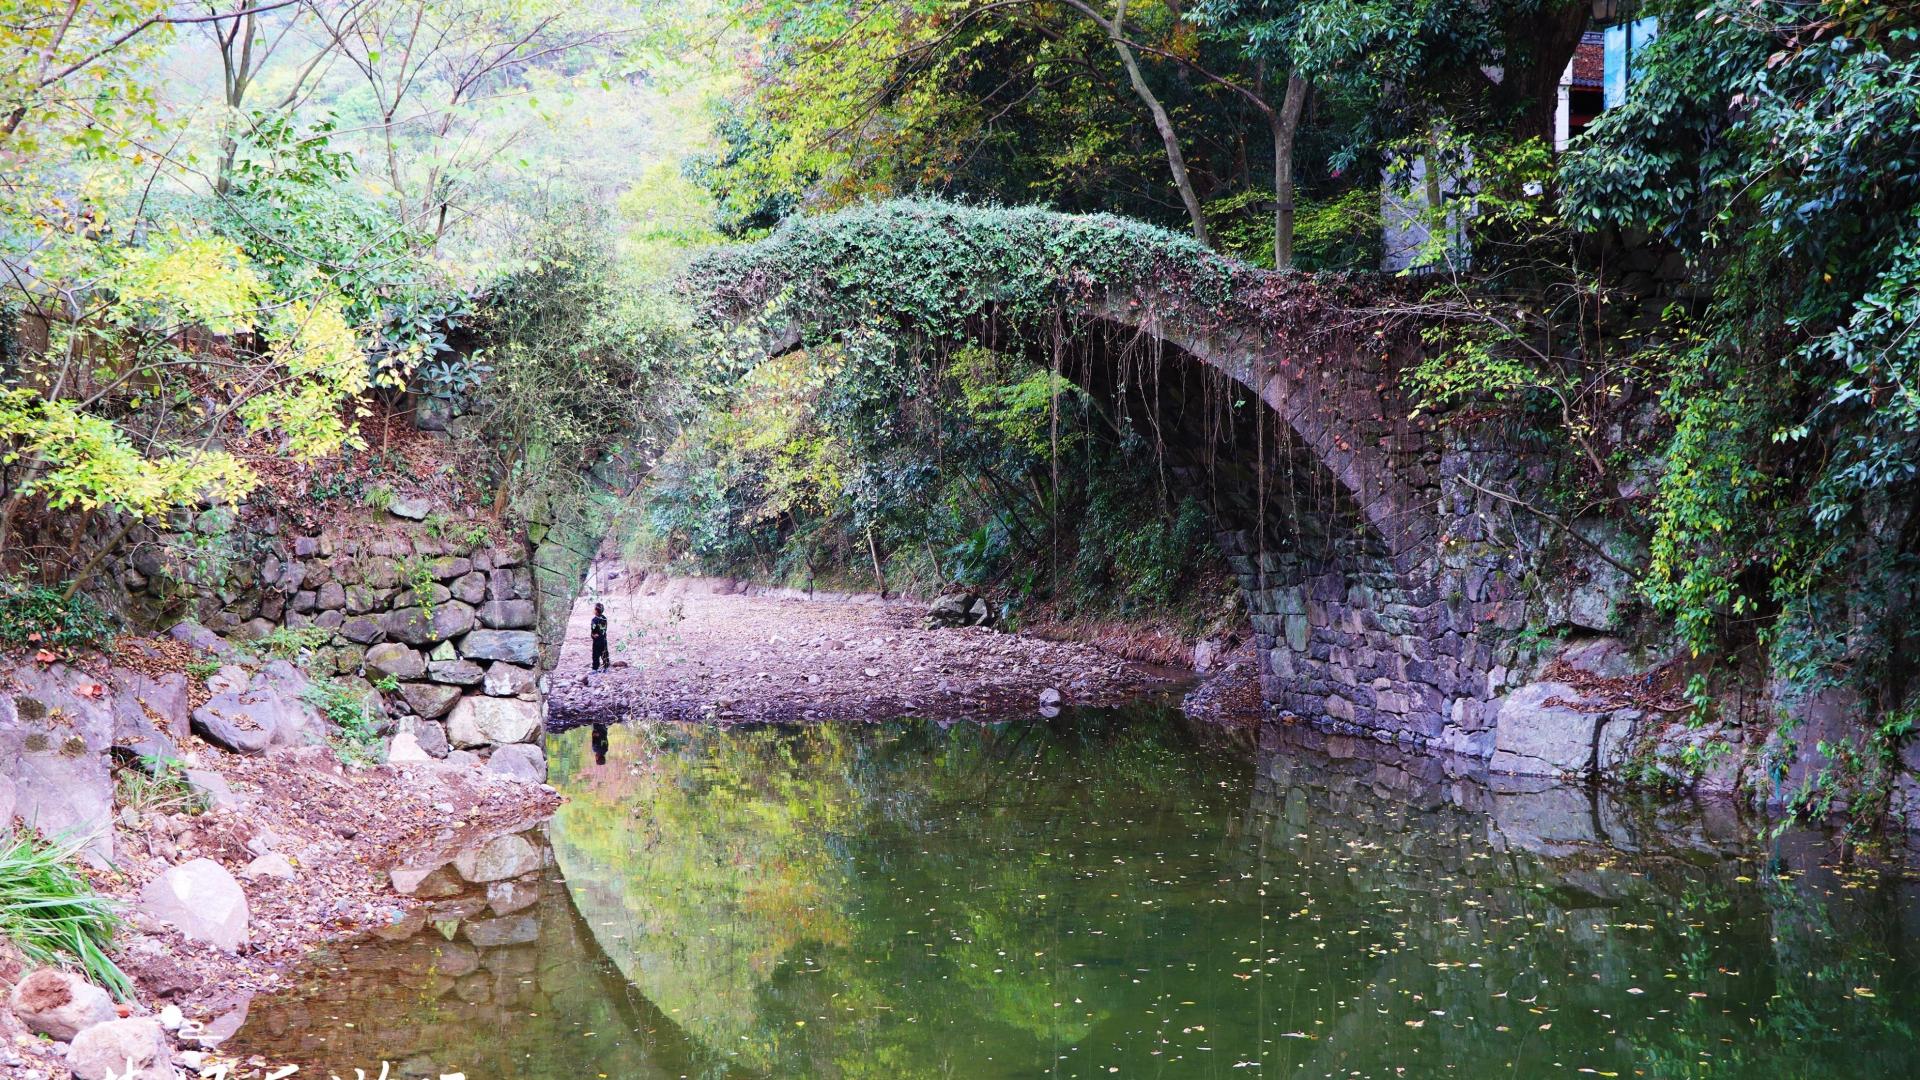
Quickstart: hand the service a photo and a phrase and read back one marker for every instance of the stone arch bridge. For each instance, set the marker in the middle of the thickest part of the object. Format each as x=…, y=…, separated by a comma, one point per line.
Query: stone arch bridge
x=1359, y=532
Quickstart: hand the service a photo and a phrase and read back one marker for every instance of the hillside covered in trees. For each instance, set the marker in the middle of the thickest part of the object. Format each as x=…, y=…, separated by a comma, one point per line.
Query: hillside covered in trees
x=1067, y=523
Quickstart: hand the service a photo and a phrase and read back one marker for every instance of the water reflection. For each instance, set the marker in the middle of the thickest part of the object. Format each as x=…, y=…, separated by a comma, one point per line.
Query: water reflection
x=1116, y=892
x=497, y=978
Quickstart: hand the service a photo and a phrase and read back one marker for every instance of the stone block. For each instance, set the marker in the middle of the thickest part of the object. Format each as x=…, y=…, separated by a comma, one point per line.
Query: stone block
x=512, y=646
x=498, y=859
x=1534, y=738
x=415, y=626
x=449, y=567
x=522, y=761
x=429, y=701
x=507, y=614
x=508, y=680
x=456, y=672
x=395, y=659
x=470, y=588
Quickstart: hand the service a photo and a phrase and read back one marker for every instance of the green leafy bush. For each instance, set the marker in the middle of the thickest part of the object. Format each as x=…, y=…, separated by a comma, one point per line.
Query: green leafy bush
x=44, y=615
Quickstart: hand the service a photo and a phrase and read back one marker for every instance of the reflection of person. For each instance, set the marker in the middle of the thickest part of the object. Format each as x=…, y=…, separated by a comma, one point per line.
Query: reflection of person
x=599, y=744
x=599, y=630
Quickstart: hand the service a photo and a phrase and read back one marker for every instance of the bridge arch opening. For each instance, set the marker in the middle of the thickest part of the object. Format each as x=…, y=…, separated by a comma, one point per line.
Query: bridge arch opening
x=1272, y=397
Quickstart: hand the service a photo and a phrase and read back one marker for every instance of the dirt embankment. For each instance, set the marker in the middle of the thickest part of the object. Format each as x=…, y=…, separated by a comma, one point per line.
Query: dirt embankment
x=686, y=649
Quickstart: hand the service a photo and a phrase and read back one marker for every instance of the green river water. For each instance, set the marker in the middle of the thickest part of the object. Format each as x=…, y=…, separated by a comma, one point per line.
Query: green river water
x=1119, y=894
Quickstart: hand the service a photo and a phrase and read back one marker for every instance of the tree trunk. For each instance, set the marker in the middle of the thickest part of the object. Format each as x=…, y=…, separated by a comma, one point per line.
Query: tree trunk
x=1176, y=162
x=1286, y=125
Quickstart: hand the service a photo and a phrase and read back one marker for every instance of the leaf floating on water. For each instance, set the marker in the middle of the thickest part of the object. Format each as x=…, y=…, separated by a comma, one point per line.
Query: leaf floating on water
x=1861, y=991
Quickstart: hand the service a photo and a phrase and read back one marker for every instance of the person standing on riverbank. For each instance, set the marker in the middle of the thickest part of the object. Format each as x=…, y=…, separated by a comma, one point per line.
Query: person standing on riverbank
x=598, y=628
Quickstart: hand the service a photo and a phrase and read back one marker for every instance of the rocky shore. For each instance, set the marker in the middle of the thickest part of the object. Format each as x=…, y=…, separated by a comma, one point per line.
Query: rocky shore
x=700, y=649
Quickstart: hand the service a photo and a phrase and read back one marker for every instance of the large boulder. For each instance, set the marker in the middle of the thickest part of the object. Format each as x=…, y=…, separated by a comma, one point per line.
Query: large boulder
x=59, y=1004
x=480, y=721
x=139, y=702
x=56, y=732
x=958, y=609
x=512, y=646
x=395, y=659
x=241, y=722
x=498, y=859
x=132, y=1049
x=297, y=723
x=418, y=626
x=522, y=761
x=199, y=637
x=202, y=901
x=1540, y=732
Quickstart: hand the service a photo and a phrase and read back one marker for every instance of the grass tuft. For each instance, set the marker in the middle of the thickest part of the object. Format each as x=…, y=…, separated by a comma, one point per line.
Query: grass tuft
x=52, y=913
x=158, y=786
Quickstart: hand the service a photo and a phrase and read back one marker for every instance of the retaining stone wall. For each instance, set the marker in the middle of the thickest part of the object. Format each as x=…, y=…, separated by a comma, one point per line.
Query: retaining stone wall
x=450, y=618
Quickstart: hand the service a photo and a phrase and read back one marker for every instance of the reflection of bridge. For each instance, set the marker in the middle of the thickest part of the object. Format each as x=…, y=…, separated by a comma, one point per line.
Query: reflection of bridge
x=1357, y=544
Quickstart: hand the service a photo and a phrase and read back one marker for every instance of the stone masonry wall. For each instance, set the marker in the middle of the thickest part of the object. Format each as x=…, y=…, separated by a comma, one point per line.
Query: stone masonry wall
x=1419, y=645
x=436, y=622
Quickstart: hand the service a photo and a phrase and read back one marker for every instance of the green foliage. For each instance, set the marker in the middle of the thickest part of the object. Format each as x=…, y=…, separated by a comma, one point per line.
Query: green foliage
x=378, y=498
x=925, y=268
x=1338, y=232
x=296, y=205
x=291, y=643
x=587, y=362
x=416, y=575
x=52, y=914
x=357, y=738
x=1774, y=143
x=47, y=617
